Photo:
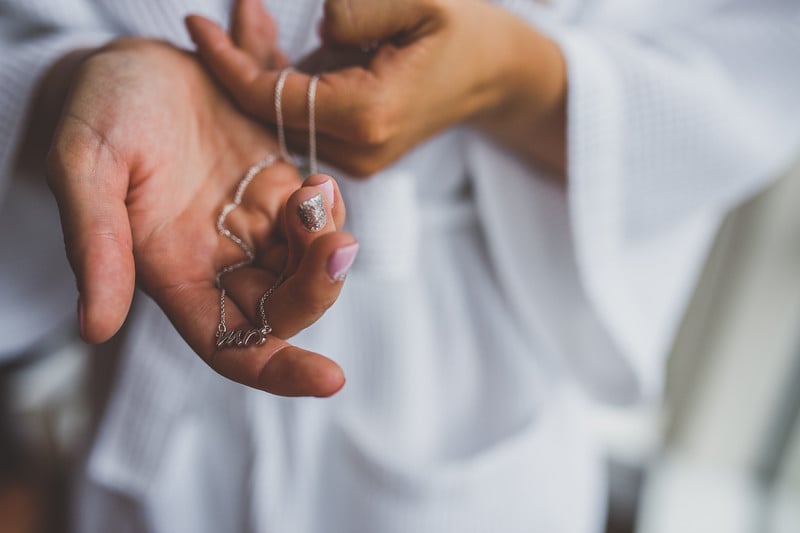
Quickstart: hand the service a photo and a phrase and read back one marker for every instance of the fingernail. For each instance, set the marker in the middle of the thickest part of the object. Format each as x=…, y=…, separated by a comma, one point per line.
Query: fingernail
x=81, y=324
x=341, y=260
x=312, y=213
x=327, y=190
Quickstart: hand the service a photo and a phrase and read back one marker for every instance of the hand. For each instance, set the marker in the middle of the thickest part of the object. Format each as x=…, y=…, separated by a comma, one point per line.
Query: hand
x=433, y=64
x=147, y=153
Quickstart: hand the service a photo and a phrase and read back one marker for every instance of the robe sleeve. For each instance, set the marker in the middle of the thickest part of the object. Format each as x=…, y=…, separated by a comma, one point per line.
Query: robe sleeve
x=676, y=114
x=34, y=35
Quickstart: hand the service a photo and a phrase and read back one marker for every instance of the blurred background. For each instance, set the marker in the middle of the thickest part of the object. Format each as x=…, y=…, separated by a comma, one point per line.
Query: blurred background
x=721, y=454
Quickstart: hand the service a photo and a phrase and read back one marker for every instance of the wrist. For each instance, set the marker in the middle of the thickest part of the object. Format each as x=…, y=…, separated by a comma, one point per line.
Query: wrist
x=528, y=110
x=530, y=73
x=490, y=58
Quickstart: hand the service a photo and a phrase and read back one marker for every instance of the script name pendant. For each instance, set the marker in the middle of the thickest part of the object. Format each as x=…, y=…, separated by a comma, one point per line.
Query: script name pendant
x=240, y=338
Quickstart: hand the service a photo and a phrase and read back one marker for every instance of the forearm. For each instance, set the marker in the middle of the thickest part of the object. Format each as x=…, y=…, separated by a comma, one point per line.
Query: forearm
x=529, y=115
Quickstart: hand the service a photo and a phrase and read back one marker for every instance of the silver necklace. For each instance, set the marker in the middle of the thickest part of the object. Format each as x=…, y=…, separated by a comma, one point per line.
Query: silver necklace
x=241, y=338
x=312, y=125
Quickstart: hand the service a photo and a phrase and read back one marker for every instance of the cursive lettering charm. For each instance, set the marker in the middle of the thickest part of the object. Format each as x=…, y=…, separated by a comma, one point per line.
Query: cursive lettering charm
x=240, y=338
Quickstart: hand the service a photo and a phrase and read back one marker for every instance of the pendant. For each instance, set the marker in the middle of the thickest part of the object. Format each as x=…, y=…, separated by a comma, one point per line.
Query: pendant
x=239, y=338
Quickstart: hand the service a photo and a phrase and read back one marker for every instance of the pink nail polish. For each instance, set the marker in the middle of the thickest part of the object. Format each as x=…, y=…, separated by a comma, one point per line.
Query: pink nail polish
x=327, y=191
x=341, y=260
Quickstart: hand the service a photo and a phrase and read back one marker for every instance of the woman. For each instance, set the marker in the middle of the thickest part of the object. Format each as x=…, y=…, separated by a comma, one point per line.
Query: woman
x=490, y=295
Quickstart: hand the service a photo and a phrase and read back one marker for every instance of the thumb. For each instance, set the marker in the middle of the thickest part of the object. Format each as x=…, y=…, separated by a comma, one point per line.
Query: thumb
x=90, y=186
x=363, y=23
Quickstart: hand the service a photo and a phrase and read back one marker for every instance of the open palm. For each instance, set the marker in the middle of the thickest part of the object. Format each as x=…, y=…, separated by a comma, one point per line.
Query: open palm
x=148, y=152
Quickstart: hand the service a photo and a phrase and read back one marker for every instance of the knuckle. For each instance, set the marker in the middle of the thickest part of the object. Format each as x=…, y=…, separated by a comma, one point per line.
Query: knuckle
x=114, y=238
x=372, y=124
x=369, y=131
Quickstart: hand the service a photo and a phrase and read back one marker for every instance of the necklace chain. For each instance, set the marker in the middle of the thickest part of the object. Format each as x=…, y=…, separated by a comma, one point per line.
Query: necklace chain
x=312, y=125
x=283, y=150
x=257, y=336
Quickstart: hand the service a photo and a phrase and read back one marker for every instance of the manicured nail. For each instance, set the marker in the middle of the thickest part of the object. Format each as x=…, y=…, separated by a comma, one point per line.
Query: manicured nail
x=327, y=190
x=341, y=260
x=81, y=324
x=312, y=213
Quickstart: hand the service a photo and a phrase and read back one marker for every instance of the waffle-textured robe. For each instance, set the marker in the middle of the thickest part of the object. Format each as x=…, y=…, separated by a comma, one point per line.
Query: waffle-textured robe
x=488, y=303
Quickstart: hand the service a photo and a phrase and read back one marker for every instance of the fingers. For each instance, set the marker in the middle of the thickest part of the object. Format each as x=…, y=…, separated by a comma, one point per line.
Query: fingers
x=275, y=366
x=319, y=258
x=310, y=212
x=332, y=59
x=255, y=32
x=306, y=294
x=335, y=201
x=343, y=98
x=236, y=69
x=296, y=372
x=316, y=284
x=362, y=23
x=357, y=160
x=323, y=257
x=232, y=66
x=90, y=184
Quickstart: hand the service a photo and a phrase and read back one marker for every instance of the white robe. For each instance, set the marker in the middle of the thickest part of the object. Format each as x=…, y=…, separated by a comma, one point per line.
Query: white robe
x=486, y=301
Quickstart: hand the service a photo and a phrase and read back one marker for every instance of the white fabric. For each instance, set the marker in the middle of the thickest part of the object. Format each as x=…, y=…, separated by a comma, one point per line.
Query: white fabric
x=483, y=295
x=35, y=284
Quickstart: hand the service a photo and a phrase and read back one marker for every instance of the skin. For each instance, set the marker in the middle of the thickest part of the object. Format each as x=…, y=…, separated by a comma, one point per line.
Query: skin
x=431, y=64
x=147, y=150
